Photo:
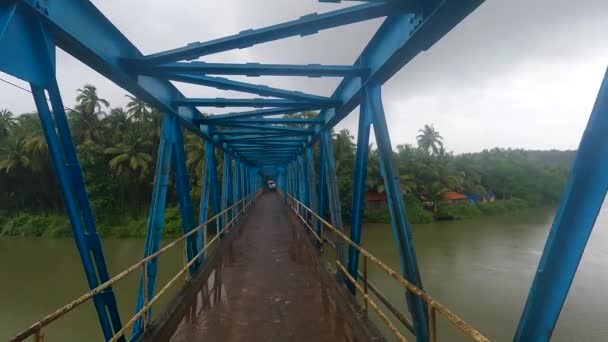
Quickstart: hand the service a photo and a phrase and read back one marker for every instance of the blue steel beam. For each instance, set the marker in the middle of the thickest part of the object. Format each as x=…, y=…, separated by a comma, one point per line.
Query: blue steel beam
x=333, y=196
x=261, y=134
x=255, y=103
x=402, y=230
x=255, y=113
x=156, y=217
x=269, y=121
x=28, y=52
x=248, y=69
x=581, y=203
x=78, y=28
x=203, y=209
x=182, y=183
x=402, y=36
x=71, y=183
x=244, y=87
x=305, y=25
x=360, y=174
x=263, y=129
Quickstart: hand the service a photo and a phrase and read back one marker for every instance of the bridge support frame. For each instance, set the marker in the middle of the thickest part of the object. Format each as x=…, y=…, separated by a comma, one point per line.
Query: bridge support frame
x=30, y=56
x=333, y=196
x=581, y=202
x=402, y=230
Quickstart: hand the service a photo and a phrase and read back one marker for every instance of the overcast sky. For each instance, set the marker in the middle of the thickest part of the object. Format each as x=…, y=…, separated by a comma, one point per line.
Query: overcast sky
x=515, y=73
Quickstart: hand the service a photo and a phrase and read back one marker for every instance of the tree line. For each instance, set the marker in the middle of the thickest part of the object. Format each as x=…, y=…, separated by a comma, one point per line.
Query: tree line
x=117, y=147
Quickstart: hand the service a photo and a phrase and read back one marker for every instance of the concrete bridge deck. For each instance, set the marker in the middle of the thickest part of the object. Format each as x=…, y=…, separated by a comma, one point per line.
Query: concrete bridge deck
x=268, y=284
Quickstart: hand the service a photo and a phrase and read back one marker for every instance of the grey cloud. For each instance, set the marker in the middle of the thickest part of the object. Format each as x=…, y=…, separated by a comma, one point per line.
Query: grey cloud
x=510, y=70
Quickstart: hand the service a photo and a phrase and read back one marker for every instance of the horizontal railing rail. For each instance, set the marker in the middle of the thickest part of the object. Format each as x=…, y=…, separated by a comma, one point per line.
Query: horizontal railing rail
x=309, y=218
x=235, y=213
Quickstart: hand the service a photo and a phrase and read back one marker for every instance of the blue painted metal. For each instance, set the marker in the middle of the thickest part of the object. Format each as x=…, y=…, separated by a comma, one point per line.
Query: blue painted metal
x=211, y=164
x=28, y=52
x=203, y=209
x=249, y=69
x=365, y=121
x=71, y=183
x=262, y=90
x=306, y=25
x=402, y=230
x=156, y=216
x=255, y=113
x=333, y=196
x=182, y=183
x=29, y=30
x=578, y=210
x=254, y=102
x=321, y=181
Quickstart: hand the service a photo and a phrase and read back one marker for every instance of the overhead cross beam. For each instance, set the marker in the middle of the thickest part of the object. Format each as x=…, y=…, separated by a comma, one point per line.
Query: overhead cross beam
x=256, y=103
x=247, y=69
x=305, y=25
x=258, y=113
x=262, y=90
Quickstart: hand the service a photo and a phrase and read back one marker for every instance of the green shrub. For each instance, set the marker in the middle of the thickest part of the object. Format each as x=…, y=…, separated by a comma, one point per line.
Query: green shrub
x=502, y=206
x=457, y=211
x=415, y=214
x=30, y=225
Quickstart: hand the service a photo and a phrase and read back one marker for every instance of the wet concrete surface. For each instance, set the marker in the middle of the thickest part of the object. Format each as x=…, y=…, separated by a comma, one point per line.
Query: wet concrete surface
x=268, y=286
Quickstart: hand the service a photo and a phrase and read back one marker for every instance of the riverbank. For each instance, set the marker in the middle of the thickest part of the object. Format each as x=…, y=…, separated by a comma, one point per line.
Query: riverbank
x=416, y=214
x=58, y=226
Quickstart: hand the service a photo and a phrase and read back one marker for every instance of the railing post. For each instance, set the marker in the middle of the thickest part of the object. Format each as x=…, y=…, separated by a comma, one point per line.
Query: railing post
x=581, y=202
x=144, y=277
x=402, y=231
x=365, y=280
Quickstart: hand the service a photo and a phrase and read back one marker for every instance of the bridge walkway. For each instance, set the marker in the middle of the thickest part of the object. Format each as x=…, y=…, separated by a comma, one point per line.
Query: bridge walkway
x=270, y=285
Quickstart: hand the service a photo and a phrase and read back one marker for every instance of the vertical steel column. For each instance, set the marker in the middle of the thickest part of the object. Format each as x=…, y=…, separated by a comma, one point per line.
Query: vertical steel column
x=226, y=186
x=237, y=190
x=321, y=190
x=203, y=209
x=573, y=223
x=310, y=168
x=214, y=183
x=402, y=231
x=182, y=183
x=360, y=173
x=300, y=178
x=156, y=217
x=332, y=189
x=71, y=183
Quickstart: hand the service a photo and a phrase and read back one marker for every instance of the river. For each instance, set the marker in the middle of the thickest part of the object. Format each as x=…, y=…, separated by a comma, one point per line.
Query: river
x=481, y=269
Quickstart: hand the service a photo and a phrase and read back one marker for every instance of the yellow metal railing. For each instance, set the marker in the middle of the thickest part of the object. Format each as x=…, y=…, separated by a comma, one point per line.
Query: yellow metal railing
x=310, y=218
x=236, y=211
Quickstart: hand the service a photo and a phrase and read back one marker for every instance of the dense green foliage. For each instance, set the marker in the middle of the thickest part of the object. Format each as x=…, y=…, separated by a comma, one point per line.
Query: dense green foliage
x=118, y=146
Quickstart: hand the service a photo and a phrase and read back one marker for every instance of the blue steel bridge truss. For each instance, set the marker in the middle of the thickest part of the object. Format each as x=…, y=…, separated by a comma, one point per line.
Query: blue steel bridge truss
x=262, y=139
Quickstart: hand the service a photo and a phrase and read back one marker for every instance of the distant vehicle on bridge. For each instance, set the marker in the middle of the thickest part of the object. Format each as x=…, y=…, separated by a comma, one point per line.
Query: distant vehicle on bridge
x=272, y=186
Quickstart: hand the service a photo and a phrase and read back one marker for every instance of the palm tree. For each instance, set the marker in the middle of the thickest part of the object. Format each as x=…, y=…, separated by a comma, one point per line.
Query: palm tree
x=14, y=157
x=130, y=159
x=429, y=140
x=88, y=100
x=195, y=156
x=7, y=121
x=138, y=110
